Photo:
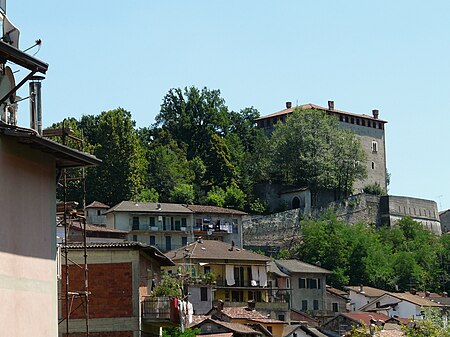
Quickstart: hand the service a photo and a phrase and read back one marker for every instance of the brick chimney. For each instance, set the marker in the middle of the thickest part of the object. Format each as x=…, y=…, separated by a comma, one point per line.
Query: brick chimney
x=288, y=105
x=375, y=113
x=330, y=105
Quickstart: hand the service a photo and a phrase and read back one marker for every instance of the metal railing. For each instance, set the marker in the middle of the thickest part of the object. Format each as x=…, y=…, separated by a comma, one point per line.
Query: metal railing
x=156, y=308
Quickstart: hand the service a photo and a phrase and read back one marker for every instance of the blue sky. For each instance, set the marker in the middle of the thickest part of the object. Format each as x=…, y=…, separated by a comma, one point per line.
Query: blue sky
x=389, y=55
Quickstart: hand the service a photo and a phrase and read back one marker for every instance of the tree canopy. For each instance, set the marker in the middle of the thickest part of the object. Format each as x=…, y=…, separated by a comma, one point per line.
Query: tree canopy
x=311, y=151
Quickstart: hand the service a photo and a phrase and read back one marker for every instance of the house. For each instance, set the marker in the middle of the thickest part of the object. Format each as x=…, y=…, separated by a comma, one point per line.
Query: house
x=362, y=295
x=163, y=225
x=95, y=213
x=249, y=316
x=214, y=270
x=308, y=283
x=404, y=305
x=344, y=322
x=121, y=276
x=30, y=166
x=369, y=129
x=336, y=300
x=279, y=292
x=218, y=223
x=301, y=330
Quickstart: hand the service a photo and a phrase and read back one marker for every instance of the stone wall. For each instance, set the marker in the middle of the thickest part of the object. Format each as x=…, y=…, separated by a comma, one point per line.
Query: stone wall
x=282, y=230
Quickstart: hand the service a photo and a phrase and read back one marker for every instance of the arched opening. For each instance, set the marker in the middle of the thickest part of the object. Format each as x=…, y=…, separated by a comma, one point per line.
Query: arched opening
x=295, y=203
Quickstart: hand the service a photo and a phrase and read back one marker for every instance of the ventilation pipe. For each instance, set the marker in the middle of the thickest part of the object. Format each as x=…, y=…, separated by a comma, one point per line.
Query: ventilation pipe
x=36, y=104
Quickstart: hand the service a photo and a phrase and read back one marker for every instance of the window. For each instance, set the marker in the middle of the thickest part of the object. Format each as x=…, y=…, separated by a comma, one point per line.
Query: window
x=152, y=221
x=177, y=225
x=227, y=295
x=358, y=121
x=183, y=222
x=315, y=305
x=152, y=240
x=373, y=165
x=99, y=212
x=164, y=224
x=235, y=227
x=134, y=237
x=168, y=242
x=312, y=283
x=335, y=306
x=304, y=305
x=237, y=296
x=207, y=269
x=363, y=122
x=301, y=283
x=135, y=223
x=281, y=317
x=203, y=294
x=184, y=240
x=374, y=146
x=352, y=120
x=255, y=295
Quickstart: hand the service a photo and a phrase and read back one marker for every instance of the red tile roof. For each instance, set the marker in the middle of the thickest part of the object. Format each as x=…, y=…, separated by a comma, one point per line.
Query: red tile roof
x=365, y=317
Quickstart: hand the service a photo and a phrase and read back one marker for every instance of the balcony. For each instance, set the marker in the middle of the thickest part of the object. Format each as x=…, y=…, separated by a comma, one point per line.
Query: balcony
x=157, y=310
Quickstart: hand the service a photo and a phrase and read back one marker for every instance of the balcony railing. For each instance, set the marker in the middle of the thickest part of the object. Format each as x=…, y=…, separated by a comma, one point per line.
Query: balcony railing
x=157, y=309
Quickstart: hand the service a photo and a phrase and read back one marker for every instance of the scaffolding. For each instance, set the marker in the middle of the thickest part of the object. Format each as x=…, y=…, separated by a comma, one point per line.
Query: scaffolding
x=70, y=215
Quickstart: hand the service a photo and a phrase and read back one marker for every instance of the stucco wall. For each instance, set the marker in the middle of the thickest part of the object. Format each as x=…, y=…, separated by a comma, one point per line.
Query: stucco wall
x=28, y=288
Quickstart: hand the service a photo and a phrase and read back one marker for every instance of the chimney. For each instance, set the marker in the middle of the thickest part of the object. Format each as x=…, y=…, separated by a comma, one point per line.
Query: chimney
x=444, y=294
x=427, y=294
x=375, y=113
x=330, y=105
x=251, y=304
x=413, y=291
x=361, y=288
x=35, y=104
x=288, y=105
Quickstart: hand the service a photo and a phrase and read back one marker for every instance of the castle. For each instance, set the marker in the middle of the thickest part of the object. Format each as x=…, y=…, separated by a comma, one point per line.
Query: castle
x=369, y=129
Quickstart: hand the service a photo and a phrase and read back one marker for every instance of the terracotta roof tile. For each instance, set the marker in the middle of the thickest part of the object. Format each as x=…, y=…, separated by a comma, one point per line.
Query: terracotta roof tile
x=214, y=250
x=365, y=317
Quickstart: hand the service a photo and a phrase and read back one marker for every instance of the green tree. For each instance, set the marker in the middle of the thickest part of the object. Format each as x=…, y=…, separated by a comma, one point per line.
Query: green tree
x=183, y=194
x=147, y=195
x=216, y=197
x=176, y=332
x=434, y=324
x=310, y=150
x=121, y=174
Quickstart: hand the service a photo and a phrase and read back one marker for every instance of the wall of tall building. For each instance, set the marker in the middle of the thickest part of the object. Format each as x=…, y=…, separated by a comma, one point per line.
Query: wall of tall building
x=28, y=287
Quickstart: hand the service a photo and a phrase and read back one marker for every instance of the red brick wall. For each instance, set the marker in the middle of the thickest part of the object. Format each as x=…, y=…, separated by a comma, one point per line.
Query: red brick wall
x=101, y=334
x=110, y=286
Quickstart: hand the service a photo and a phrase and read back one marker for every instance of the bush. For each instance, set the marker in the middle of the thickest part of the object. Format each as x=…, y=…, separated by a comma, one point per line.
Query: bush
x=374, y=189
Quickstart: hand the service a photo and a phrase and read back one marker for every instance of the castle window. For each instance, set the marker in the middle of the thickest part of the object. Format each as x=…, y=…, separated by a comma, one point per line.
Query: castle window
x=358, y=121
x=341, y=118
x=373, y=165
x=363, y=122
x=374, y=146
x=352, y=120
x=380, y=126
x=368, y=124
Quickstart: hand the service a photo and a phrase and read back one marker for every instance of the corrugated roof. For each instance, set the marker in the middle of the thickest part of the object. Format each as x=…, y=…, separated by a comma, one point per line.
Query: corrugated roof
x=149, y=207
x=318, y=107
x=214, y=250
x=296, y=266
x=97, y=204
x=214, y=210
x=133, y=245
x=95, y=228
